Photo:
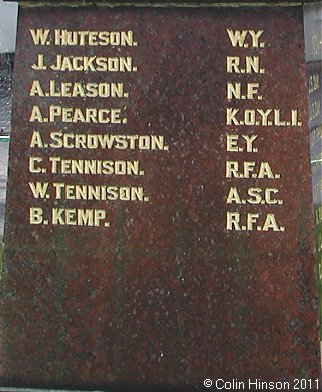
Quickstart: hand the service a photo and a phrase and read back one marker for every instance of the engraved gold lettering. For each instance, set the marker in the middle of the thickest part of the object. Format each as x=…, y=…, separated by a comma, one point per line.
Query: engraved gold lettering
x=270, y=223
x=33, y=165
x=261, y=117
x=35, y=216
x=94, y=166
x=36, y=140
x=91, y=90
x=36, y=89
x=255, y=195
x=39, y=190
x=94, y=38
x=39, y=36
x=77, y=216
x=234, y=90
x=250, y=221
x=249, y=170
x=76, y=115
x=99, y=192
x=36, y=115
x=251, y=65
x=93, y=63
x=39, y=64
x=120, y=142
x=238, y=38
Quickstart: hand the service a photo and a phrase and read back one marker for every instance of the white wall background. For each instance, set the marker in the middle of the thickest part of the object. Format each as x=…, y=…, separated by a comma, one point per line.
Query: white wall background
x=8, y=26
x=8, y=23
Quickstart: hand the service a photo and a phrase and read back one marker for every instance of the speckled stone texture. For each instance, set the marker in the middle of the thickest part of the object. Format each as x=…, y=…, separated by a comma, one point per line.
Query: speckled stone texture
x=166, y=297
x=173, y=2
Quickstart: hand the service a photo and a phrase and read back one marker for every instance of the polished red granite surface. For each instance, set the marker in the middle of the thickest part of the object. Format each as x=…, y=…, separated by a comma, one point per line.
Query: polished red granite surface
x=196, y=261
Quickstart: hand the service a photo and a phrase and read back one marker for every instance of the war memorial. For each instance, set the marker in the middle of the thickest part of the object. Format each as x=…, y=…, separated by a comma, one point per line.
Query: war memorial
x=164, y=209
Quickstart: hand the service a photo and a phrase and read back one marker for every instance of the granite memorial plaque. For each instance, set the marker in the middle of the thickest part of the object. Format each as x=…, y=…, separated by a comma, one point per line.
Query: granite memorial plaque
x=313, y=44
x=159, y=228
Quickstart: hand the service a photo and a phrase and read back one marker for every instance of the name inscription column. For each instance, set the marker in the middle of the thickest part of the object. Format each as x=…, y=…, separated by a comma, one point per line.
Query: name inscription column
x=75, y=111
